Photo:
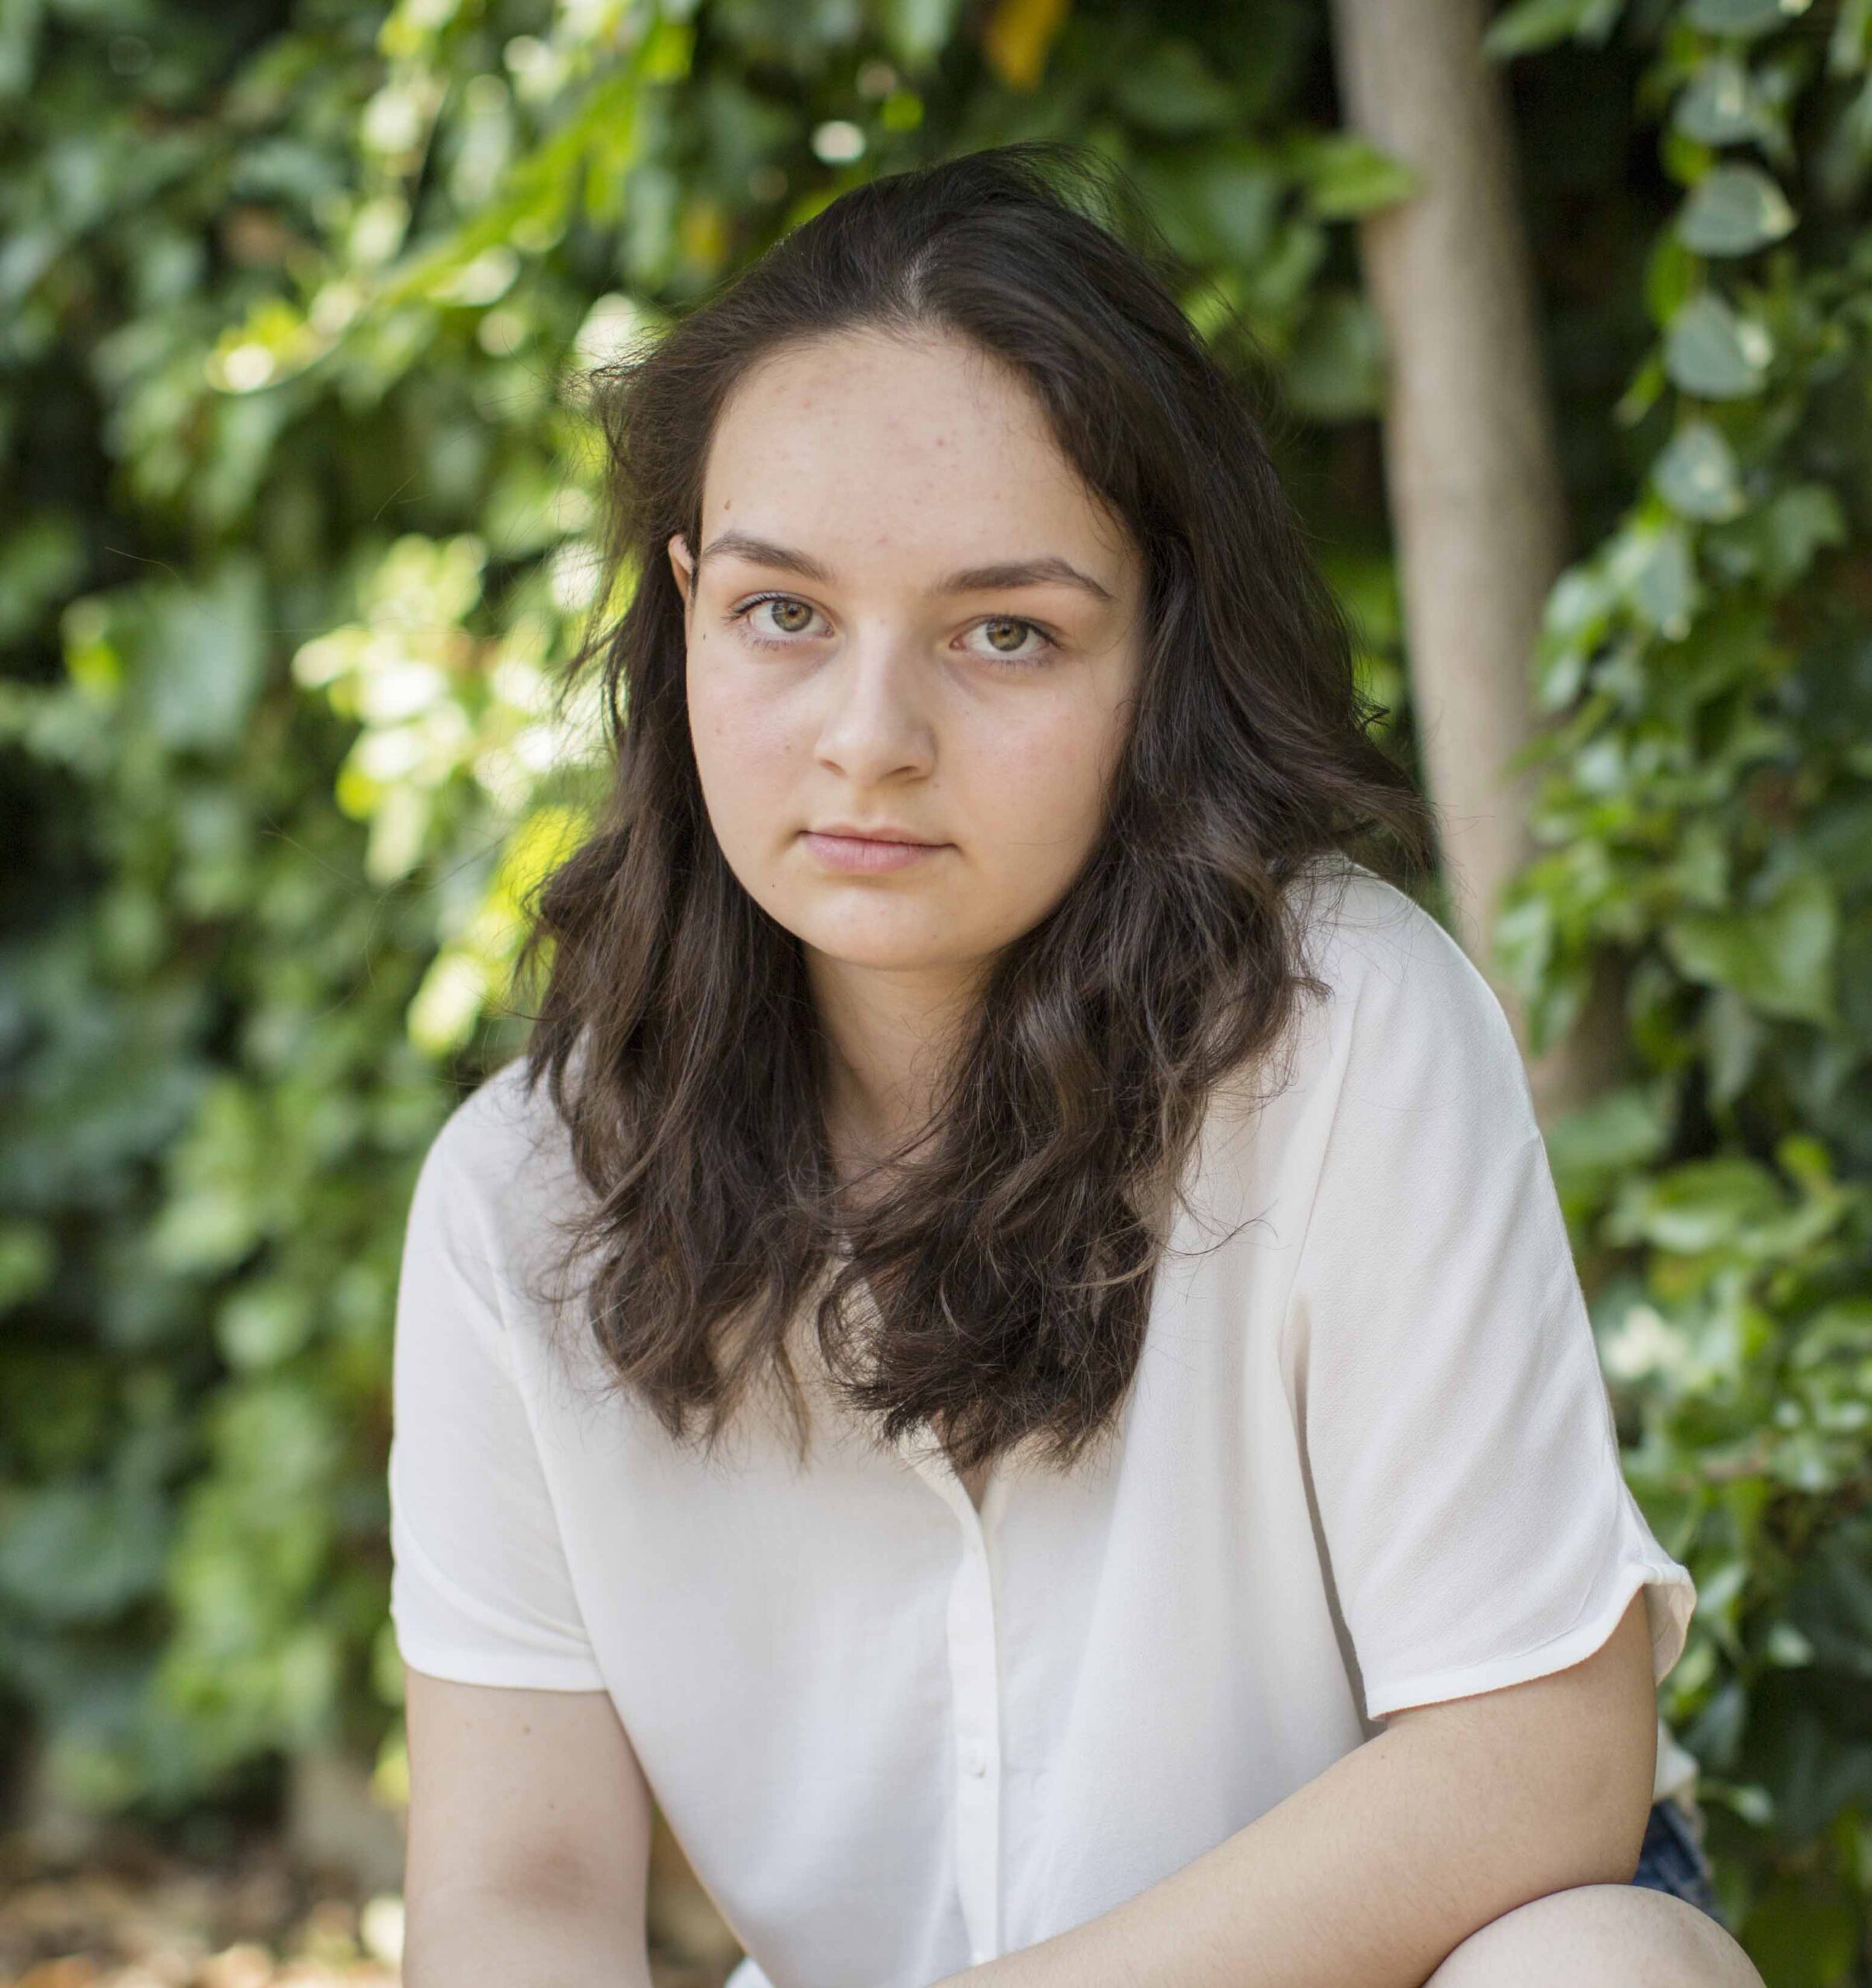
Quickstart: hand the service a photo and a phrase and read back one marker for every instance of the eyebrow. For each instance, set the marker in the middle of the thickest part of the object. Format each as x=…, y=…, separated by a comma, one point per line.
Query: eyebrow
x=1040, y=571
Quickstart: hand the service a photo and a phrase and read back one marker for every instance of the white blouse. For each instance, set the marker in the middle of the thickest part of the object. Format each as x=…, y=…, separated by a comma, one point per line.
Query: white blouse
x=1368, y=1462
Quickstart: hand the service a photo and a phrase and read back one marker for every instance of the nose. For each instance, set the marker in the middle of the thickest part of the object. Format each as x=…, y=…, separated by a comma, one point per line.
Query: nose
x=876, y=722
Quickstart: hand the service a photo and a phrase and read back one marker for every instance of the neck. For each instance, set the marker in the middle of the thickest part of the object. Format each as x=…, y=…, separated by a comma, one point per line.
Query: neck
x=889, y=1038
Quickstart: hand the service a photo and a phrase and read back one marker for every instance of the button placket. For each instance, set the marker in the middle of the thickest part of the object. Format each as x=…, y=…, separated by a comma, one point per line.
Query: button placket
x=974, y=1688
x=971, y=1653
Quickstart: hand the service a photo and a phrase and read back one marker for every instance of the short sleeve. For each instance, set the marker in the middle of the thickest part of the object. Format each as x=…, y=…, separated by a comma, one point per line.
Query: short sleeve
x=480, y=1590
x=1457, y=1433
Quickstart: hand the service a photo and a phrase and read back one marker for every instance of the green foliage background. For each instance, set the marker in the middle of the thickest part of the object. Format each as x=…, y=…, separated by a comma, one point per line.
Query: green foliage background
x=294, y=530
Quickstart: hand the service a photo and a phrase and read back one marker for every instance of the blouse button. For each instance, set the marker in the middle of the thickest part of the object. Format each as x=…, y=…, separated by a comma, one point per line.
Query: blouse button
x=975, y=1759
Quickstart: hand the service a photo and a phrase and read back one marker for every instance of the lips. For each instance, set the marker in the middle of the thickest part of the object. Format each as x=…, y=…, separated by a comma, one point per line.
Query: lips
x=870, y=853
x=845, y=833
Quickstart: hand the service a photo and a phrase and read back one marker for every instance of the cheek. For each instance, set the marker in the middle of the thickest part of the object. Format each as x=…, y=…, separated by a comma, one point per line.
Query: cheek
x=741, y=739
x=1044, y=780
x=744, y=769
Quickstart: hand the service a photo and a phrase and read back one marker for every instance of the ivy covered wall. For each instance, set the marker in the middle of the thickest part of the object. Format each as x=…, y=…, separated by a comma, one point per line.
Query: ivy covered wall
x=293, y=531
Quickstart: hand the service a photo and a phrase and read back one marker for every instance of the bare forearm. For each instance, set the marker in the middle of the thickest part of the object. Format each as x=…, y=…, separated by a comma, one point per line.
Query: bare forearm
x=488, y=1940
x=1365, y=1877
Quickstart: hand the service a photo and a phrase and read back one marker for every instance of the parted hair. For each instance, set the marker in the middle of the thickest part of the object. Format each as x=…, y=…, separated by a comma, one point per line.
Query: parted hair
x=993, y=1283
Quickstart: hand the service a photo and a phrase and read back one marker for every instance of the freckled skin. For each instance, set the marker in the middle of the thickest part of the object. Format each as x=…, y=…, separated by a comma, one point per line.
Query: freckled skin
x=892, y=464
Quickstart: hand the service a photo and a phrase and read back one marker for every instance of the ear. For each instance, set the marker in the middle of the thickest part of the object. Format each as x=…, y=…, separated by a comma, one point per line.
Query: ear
x=683, y=565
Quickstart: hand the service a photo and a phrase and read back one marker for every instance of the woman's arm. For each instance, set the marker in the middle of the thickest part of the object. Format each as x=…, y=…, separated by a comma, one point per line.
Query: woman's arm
x=498, y=1940
x=528, y=1848
x=1370, y=1874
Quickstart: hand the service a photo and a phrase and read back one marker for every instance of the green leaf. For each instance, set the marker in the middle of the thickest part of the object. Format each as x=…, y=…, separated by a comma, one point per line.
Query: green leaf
x=1697, y=474
x=79, y=1552
x=1838, y=837
x=28, y=1258
x=1215, y=201
x=265, y=1323
x=1780, y=540
x=1733, y=211
x=1732, y=1037
x=1618, y=1130
x=917, y=31
x=1573, y=619
x=1856, y=978
x=1336, y=371
x=1173, y=90
x=19, y=26
x=217, y=1211
x=1702, y=1205
x=1778, y=957
x=1804, y=1933
x=1237, y=192
x=1849, y=49
x=1278, y=284
x=201, y=655
x=1719, y=107
x=1672, y=274
x=1642, y=394
x=1798, y=523
x=41, y=560
x=1839, y=1332
x=1744, y=17
x=1656, y=570
x=1711, y=352
x=1529, y=25
x=1835, y=686
x=1345, y=175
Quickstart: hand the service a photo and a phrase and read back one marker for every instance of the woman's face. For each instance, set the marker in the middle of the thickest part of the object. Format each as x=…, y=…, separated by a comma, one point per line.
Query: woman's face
x=909, y=617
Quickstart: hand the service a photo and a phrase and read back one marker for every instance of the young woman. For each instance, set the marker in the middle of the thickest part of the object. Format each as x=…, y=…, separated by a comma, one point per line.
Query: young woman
x=1073, y=1452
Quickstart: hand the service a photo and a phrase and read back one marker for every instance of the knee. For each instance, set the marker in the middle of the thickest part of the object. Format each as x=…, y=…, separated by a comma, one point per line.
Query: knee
x=1599, y=1936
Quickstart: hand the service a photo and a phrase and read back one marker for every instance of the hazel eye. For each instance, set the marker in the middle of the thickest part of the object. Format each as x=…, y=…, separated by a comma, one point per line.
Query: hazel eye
x=790, y=616
x=1013, y=641
x=1006, y=633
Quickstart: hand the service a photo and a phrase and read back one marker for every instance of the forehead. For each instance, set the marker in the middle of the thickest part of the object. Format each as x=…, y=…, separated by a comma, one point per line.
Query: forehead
x=869, y=445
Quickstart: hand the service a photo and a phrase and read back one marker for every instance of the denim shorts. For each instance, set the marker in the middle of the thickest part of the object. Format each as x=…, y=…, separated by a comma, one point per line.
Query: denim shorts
x=1672, y=1858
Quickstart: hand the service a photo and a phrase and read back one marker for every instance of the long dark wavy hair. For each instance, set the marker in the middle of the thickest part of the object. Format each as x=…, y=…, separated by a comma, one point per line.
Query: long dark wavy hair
x=998, y=1288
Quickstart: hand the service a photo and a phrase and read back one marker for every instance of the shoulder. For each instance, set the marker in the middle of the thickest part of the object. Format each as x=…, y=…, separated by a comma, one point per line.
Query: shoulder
x=501, y=1124
x=1371, y=942
x=500, y=1167
x=1409, y=1018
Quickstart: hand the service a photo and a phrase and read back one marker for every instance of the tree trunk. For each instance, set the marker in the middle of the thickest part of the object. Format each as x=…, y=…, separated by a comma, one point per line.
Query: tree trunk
x=1473, y=475
x=1471, y=468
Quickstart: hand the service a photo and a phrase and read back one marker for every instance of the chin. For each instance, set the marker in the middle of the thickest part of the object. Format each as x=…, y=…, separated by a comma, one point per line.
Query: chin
x=888, y=959
x=883, y=952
